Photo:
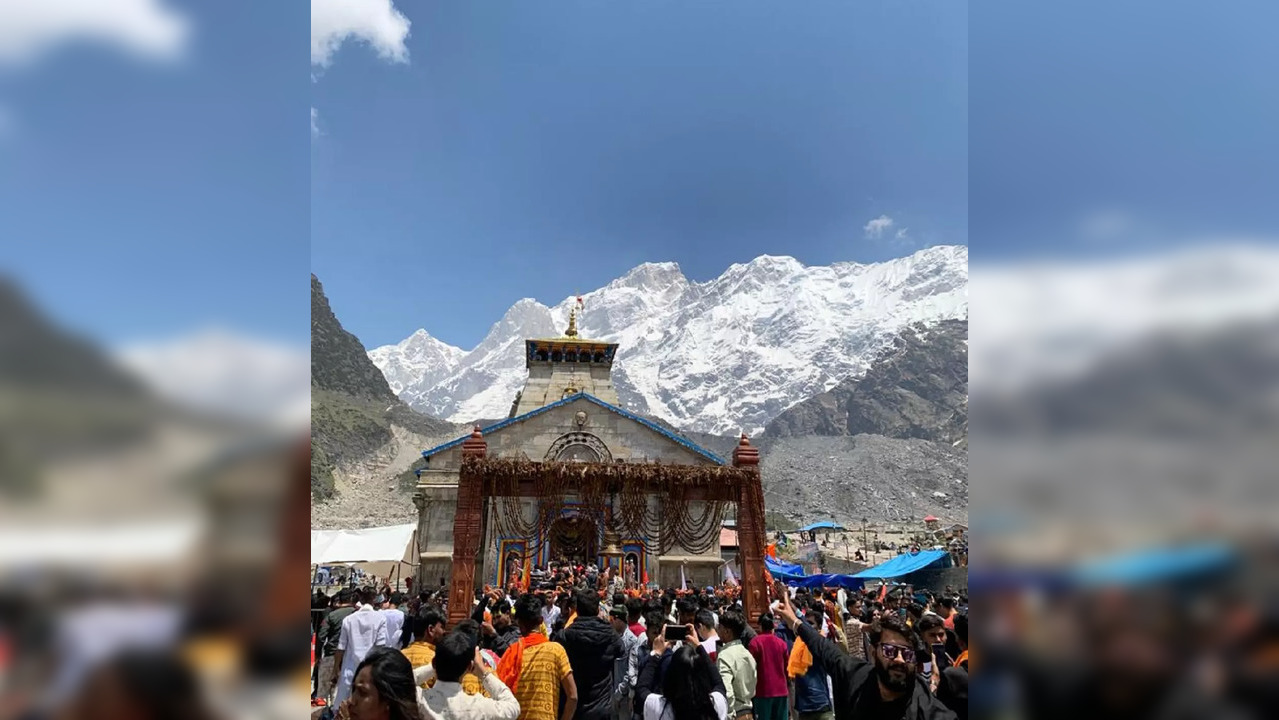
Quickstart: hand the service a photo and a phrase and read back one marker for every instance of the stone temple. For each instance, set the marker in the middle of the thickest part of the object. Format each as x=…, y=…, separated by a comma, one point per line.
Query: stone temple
x=572, y=475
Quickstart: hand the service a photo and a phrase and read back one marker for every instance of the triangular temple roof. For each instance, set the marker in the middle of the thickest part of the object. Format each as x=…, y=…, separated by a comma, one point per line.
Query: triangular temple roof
x=675, y=437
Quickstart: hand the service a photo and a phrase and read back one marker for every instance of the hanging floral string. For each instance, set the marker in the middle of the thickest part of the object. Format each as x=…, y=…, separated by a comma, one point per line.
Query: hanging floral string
x=660, y=526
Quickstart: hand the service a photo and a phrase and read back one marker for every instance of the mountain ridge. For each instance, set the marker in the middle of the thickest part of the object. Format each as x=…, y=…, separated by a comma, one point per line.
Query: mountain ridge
x=915, y=388
x=354, y=414
x=719, y=356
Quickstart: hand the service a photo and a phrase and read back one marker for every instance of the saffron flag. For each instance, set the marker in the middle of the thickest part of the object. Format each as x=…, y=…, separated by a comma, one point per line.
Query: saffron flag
x=772, y=550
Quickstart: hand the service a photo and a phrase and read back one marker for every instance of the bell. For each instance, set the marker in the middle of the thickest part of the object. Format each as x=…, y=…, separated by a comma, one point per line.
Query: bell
x=611, y=547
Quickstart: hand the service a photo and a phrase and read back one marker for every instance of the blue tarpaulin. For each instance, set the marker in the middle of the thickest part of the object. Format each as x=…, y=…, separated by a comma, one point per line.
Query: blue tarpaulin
x=823, y=525
x=904, y=564
x=777, y=567
x=1156, y=565
x=793, y=574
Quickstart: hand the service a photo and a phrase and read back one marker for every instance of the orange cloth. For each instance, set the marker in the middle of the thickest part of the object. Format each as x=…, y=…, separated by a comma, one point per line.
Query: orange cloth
x=963, y=658
x=801, y=658
x=571, y=617
x=512, y=663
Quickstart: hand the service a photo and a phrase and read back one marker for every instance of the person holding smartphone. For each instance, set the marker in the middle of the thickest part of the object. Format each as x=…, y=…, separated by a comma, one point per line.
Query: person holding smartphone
x=681, y=684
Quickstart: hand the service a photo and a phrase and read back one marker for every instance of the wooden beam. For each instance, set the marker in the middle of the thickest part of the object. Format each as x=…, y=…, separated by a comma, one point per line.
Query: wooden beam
x=466, y=531
x=750, y=532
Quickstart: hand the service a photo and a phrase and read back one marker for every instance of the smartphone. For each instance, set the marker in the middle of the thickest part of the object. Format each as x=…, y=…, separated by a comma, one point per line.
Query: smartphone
x=676, y=633
x=939, y=657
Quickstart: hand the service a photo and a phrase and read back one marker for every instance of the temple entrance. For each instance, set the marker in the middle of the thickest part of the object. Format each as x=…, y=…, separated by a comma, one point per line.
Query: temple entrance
x=574, y=538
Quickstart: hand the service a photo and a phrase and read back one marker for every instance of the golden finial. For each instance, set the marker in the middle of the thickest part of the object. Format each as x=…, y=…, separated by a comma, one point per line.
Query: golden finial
x=572, y=323
x=572, y=319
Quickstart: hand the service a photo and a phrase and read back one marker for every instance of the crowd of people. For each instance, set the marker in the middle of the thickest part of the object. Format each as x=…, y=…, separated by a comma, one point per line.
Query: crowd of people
x=573, y=648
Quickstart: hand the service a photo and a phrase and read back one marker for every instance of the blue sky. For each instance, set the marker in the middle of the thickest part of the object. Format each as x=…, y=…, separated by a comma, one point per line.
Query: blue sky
x=538, y=149
x=144, y=197
x=1104, y=127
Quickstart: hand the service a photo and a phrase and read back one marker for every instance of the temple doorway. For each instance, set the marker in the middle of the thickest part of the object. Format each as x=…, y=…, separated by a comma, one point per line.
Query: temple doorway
x=575, y=538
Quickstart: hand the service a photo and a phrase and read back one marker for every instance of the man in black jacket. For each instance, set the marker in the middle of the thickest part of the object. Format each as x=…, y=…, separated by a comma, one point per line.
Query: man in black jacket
x=886, y=689
x=592, y=648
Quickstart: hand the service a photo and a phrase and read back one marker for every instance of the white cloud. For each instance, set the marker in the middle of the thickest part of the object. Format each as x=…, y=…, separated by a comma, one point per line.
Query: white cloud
x=376, y=22
x=149, y=29
x=903, y=236
x=315, y=128
x=876, y=228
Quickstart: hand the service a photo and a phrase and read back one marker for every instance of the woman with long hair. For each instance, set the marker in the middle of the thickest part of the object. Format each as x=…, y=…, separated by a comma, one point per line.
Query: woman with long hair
x=687, y=690
x=383, y=689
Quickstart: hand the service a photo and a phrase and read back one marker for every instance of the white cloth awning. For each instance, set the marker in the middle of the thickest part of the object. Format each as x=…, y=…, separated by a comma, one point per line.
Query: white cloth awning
x=389, y=544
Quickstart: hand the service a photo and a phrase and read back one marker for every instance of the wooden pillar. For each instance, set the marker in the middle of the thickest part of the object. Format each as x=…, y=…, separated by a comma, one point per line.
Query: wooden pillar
x=466, y=531
x=750, y=532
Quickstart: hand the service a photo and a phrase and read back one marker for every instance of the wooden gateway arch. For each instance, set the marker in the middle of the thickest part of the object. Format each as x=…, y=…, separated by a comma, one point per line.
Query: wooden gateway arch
x=622, y=492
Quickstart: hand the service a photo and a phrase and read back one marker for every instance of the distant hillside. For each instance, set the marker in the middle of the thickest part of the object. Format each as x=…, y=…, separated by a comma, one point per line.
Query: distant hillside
x=916, y=388
x=60, y=395
x=353, y=409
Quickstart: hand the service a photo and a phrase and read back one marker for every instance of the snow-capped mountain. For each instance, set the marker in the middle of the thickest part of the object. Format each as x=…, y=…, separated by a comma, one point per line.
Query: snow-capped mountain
x=223, y=373
x=1054, y=320
x=720, y=356
x=417, y=360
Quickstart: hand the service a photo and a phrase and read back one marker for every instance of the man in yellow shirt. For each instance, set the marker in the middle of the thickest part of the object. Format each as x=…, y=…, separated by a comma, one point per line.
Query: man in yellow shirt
x=536, y=669
x=428, y=628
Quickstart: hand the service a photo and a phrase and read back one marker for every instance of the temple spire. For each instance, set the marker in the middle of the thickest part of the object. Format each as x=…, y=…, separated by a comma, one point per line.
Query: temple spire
x=572, y=319
x=572, y=324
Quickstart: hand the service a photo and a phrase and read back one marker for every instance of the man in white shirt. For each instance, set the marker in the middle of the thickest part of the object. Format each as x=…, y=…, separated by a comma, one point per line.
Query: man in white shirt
x=551, y=612
x=362, y=631
x=394, y=618
x=455, y=655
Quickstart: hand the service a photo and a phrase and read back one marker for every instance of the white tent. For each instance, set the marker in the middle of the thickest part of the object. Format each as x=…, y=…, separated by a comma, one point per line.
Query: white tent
x=378, y=550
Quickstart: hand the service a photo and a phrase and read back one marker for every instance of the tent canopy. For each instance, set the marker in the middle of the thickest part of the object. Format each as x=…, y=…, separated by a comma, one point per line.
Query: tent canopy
x=374, y=549
x=904, y=564
x=823, y=525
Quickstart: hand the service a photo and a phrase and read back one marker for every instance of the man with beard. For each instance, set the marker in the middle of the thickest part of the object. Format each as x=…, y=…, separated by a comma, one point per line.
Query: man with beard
x=593, y=647
x=886, y=689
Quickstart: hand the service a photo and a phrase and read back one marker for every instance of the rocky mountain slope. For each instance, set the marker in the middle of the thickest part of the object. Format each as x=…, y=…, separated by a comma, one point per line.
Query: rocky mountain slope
x=354, y=414
x=60, y=396
x=719, y=356
x=916, y=388
x=890, y=446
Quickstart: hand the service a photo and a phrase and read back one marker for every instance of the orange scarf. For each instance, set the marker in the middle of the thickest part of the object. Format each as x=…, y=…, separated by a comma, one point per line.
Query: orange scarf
x=571, y=617
x=801, y=658
x=512, y=662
